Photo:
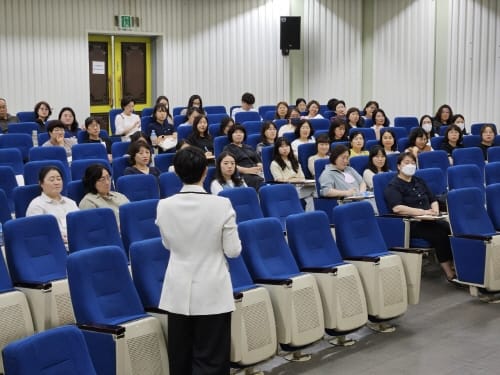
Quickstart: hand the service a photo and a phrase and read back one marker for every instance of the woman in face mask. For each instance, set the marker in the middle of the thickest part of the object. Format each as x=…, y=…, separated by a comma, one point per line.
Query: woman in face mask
x=459, y=121
x=408, y=195
x=426, y=124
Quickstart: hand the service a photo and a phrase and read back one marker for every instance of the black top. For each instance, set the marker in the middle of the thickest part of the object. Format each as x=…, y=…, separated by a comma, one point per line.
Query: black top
x=161, y=129
x=449, y=148
x=133, y=170
x=205, y=144
x=414, y=194
x=245, y=155
x=106, y=141
x=485, y=148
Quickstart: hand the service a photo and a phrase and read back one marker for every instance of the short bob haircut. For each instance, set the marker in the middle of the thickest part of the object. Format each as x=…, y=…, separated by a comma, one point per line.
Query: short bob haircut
x=126, y=100
x=311, y=102
x=231, y=131
x=248, y=98
x=353, y=135
x=74, y=125
x=416, y=133
x=300, y=100
x=337, y=123
x=92, y=174
x=486, y=126
x=45, y=170
x=235, y=177
x=354, y=110
x=54, y=124
x=190, y=164
x=404, y=155
x=302, y=122
x=337, y=151
x=89, y=120
x=322, y=138
x=39, y=104
x=135, y=148
x=450, y=128
x=374, y=151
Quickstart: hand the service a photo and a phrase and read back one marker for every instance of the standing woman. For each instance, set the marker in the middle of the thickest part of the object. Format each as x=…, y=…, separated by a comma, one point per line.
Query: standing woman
x=200, y=230
x=165, y=131
x=200, y=138
x=443, y=116
x=42, y=113
x=305, y=134
x=379, y=121
x=140, y=159
x=268, y=135
x=68, y=118
x=377, y=163
x=127, y=122
x=226, y=175
x=248, y=162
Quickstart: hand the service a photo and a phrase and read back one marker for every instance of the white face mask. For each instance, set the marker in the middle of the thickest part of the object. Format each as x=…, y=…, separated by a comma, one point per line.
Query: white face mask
x=461, y=125
x=427, y=127
x=409, y=169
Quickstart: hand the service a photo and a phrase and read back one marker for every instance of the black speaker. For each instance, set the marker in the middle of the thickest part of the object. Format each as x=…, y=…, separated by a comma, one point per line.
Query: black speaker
x=290, y=34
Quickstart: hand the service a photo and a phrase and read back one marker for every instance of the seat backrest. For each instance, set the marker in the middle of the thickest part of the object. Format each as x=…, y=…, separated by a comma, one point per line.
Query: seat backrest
x=253, y=140
x=359, y=163
x=219, y=143
x=467, y=175
x=435, y=159
x=265, y=250
x=471, y=140
x=402, y=144
x=213, y=130
x=119, y=149
x=493, y=154
x=49, y=153
x=493, y=204
x=357, y=231
x=436, y=143
x=241, y=117
x=170, y=184
x=32, y=170
x=240, y=277
x=92, y=228
x=22, y=128
x=252, y=127
x=469, y=155
x=119, y=165
x=22, y=197
x=148, y=111
x=319, y=124
x=215, y=118
x=269, y=115
x=183, y=131
x=177, y=111
x=137, y=221
x=392, y=161
x=89, y=151
x=245, y=203
x=149, y=260
x=380, y=182
x=279, y=201
x=60, y=350
x=399, y=131
x=101, y=287
x=34, y=249
x=475, y=129
x=311, y=241
x=76, y=191
x=467, y=212
x=78, y=167
x=137, y=187
x=407, y=122
x=23, y=142
x=112, y=116
x=5, y=281
x=368, y=133
x=319, y=167
x=492, y=172
x=267, y=158
x=434, y=178
x=164, y=161
x=263, y=109
x=145, y=121
x=209, y=178
x=5, y=207
x=26, y=116
x=12, y=157
x=8, y=183
x=305, y=151
x=215, y=109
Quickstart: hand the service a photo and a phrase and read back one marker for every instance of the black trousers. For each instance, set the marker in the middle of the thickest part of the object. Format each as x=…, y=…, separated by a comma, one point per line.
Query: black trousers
x=436, y=233
x=199, y=344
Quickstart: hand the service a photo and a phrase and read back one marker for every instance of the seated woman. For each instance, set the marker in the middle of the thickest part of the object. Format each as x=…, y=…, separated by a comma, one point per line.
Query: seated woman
x=268, y=134
x=282, y=111
x=140, y=159
x=322, y=152
x=226, y=175
x=93, y=129
x=97, y=186
x=459, y=120
x=388, y=142
x=55, y=129
x=377, y=163
x=379, y=121
x=305, y=134
x=42, y=113
x=191, y=114
x=426, y=124
x=194, y=101
x=166, y=135
x=369, y=108
x=200, y=138
x=226, y=124
x=248, y=162
x=353, y=118
x=418, y=142
x=338, y=131
x=409, y=195
x=452, y=139
x=68, y=118
x=338, y=179
x=301, y=105
x=357, y=144
x=293, y=121
x=162, y=99
x=312, y=111
x=443, y=117
x=51, y=201
x=127, y=122
x=286, y=168
x=487, y=133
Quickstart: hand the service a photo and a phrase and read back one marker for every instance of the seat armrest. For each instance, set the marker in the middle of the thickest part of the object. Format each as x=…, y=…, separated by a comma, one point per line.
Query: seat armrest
x=238, y=296
x=474, y=237
x=411, y=250
x=363, y=259
x=103, y=328
x=319, y=269
x=275, y=281
x=152, y=309
x=34, y=285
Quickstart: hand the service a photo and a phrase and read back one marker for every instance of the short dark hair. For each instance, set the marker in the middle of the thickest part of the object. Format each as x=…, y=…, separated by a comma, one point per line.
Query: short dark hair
x=337, y=151
x=266, y=125
x=337, y=122
x=416, y=133
x=302, y=122
x=322, y=138
x=248, y=98
x=135, y=147
x=159, y=108
x=54, y=124
x=74, y=125
x=233, y=129
x=485, y=126
x=89, y=120
x=39, y=104
x=92, y=174
x=404, y=155
x=126, y=100
x=353, y=134
x=45, y=170
x=331, y=104
x=453, y=127
x=190, y=163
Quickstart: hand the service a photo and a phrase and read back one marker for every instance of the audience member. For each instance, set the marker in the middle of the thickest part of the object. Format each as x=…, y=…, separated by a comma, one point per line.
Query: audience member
x=388, y=141
x=418, y=142
x=338, y=130
x=452, y=139
x=293, y=121
x=200, y=138
x=301, y=105
x=282, y=111
x=191, y=114
x=322, y=152
x=226, y=124
x=140, y=159
x=379, y=121
x=304, y=133
x=226, y=175
x=353, y=118
x=127, y=122
x=247, y=102
x=369, y=108
x=357, y=144
x=377, y=163
x=459, y=121
x=56, y=137
x=443, y=116
x=162, y=99
x=166, y=135
x=5, y=117
x=488, y=133
x=194, y=102
x=268, y=135
x=312, y=111
x=42, y=113
x=340, y=110
x=68, y=118
x=426, y=124
x=93, y=130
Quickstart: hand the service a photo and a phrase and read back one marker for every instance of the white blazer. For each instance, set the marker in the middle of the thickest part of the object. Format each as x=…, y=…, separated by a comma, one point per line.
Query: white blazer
x=198, y=229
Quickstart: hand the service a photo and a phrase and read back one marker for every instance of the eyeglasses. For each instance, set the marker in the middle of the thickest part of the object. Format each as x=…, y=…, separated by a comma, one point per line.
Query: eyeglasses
x=104, y=178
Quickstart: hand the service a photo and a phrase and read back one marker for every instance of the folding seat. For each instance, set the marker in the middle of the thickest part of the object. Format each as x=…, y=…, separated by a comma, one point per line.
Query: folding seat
x=148, y=111
x=138, y=186
x=8, y=183
x=475, y=129
x=183, y=131
x=402, y=144
x=82, y=135
x=435, y=179
x=322, y=203
x=89, y=151
x=164, y=161
x=78, y=167
x=269, y=115
x=492, y=172
x=209, y=178
x=390, y=280
x=110, y=313
x=245, y=203
x=145, y=121
x=369, y=144
x=493, y=204
x=241, y=117
x=471, y=140
x=469, y=155
x=407, y=122
x=436, y=143
x=22, y=128
x=267, y=158
x=290, y=136
x=119, y=149
x=32, y=171
x=342, y=294
x=493, y=154
x=170, y=184
x=392, y=161
x=219, y=144
x=304, y=152
x=215, y=109
x=22, y=197
x=11, y=157
x=263, y=109
x=49, y=153
x=177, y=111
x=15, y=319
x=112, y=116
x=435, y=159
x=36, y=258
x=320, y=124
x=279, y=201
x=368, y=133
x=252, y=127
x=475, y=243
x=76, y=191
x=399, y=131
x=359, y=163
x=295, y=296
x=213, y=129
x=44, y=137
x=253, y=326
x=23, y=142
x=92, y=228
x=137, y=221
x=467, y=175
x=253, y=140
x=26, y=116
x=59, y=350
x=118, y=166
x=215, y=118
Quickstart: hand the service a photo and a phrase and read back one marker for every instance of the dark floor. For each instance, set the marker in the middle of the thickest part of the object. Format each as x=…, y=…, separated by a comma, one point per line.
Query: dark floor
x=448, y=332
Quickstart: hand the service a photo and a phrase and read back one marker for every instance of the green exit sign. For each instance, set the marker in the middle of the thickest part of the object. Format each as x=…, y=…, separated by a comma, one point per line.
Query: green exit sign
x=125, y=22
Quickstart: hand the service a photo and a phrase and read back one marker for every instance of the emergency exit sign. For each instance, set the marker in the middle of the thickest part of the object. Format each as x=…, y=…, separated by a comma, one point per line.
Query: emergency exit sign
x=125, y=22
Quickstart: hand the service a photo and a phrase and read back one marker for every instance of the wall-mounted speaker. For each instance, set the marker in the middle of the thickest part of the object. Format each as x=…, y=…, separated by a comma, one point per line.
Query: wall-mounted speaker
x=289, y=34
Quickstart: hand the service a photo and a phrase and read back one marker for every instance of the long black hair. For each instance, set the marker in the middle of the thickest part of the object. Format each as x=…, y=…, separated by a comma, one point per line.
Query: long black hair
x=291, y=156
